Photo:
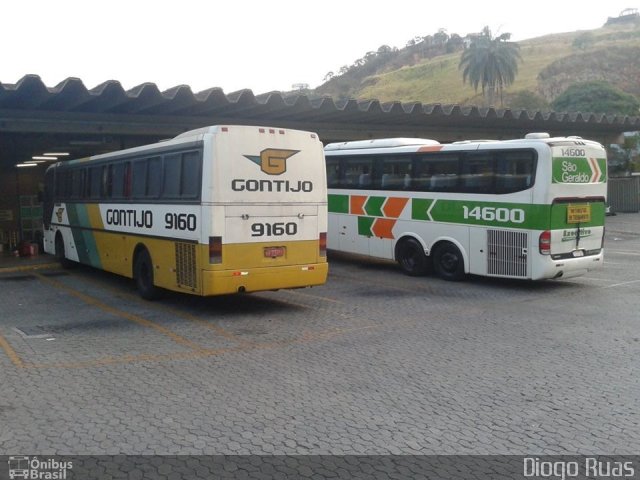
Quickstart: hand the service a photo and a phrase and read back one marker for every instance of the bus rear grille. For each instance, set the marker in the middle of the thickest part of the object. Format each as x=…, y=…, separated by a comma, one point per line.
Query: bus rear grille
x=186, y=264
x=507, y=253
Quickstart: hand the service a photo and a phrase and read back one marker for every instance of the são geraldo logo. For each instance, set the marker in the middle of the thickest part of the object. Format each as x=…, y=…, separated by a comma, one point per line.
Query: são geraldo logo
x=34, y=468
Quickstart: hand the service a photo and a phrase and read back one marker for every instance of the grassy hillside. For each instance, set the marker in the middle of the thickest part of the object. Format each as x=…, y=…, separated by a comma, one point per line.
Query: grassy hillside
x=549, y=65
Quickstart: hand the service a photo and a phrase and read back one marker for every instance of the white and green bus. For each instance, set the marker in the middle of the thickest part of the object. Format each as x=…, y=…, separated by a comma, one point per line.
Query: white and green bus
x=531, y=208
x=217, y=210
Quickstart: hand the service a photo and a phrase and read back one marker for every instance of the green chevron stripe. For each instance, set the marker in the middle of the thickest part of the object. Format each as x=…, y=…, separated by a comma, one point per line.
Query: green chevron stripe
x=364, y=226
x=373, y=206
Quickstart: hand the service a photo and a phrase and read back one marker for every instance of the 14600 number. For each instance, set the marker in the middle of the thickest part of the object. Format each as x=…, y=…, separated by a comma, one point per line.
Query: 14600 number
x=494, y=214
x=273, y=229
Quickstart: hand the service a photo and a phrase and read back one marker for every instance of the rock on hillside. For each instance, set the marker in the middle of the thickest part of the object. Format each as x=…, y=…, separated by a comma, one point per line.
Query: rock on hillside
x=620, y=66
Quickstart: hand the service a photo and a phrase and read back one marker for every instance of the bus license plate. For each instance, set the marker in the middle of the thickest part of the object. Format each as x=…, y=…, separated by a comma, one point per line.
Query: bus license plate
x=579, y=213
x=578, y=253
x=273, y=252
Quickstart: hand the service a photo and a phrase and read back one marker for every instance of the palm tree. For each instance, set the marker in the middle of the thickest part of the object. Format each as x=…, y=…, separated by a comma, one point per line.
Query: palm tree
x=491, y=63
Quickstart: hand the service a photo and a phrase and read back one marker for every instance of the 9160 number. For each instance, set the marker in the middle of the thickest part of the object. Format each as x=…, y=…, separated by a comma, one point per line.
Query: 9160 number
x=273, y=229
x=180, y=221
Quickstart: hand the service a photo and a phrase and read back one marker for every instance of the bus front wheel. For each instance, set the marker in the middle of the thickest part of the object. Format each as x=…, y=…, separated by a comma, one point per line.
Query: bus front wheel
x=448, y=262
x=410, y=255
x=143, y=275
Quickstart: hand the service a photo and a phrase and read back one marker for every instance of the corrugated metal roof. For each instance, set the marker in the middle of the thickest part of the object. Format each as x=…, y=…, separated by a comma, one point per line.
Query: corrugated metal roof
x=71, y=95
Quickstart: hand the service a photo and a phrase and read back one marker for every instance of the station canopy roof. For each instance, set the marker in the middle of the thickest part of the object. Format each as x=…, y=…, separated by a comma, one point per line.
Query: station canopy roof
x=34, y=117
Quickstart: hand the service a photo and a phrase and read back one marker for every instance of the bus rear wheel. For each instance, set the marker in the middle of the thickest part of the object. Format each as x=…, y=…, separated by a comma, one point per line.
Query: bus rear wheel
x=448, y=262
x=60, y=255
x=410, y=255
x=143, y=276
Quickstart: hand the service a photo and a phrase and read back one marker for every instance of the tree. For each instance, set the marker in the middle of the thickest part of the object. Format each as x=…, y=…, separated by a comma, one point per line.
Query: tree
x=454, y=43
x=491, y=63
x=596, y=97
x=441, y=37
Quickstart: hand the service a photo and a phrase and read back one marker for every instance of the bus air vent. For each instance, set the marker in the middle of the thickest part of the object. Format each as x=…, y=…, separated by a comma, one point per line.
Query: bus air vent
x=507, y=253
x=186, y=264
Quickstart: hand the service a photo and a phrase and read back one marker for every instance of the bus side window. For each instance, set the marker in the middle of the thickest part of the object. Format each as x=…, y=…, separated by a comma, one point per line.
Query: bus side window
x=396, y=173
x=364, y=179
x=190, y=179
x=478, y=173
x=118, y=177
x=95, y=181
x=171, y=176
x=139, y=179
x=515, y=171
x=105, y=190
x=359, y=173
x=63, y=185
x=444, y=174
x=154, y=177
x=333, y=173
x=435, y=172
x=77, y=183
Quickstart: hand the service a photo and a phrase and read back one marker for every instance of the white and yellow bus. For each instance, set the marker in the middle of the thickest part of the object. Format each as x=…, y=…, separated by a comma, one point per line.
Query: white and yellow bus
x=217, y=210
x=531, y=208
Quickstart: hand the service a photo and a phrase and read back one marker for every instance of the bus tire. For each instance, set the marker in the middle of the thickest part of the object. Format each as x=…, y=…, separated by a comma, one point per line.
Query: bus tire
x=411, y=257
x=143, y=276
x=60, y=253
x=448, y=262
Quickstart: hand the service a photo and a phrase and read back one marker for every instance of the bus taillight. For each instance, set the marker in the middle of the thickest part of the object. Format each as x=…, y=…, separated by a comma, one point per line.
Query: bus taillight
x=544, y=243
x=215, y=249
x=323, y=244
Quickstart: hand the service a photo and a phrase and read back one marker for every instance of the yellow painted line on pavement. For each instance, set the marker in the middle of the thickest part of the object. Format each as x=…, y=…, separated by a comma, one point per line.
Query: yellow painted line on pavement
x=165, y=308
x=121, y=313
x=29, y=268
x=205, y=323
x=196, y=351
x=145, y=357
x=11, y=353
x=311, y=295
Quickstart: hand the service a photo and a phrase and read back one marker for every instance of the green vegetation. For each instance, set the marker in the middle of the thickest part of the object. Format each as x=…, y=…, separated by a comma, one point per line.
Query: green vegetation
x=596, y=97
x=426, y=70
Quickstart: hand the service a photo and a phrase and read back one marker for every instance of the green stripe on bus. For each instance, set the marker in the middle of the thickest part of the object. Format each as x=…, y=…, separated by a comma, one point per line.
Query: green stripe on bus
x=470, y=212
x=83, y=237
x=338, y=203
x=506, y=215
x=364, y=226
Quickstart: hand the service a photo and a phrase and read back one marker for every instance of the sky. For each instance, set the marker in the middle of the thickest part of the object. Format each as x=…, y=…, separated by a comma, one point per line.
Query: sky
x=258, y=45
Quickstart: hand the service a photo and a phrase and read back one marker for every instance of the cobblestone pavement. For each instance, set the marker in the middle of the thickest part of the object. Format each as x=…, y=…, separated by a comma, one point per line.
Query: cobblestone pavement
x=374, y=362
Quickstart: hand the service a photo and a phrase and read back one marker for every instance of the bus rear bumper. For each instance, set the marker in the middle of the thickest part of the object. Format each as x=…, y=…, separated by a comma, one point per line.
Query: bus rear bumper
x=570, y=267
x=260, y=279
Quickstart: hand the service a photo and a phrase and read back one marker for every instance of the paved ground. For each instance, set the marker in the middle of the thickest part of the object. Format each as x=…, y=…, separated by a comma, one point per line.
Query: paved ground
x=374, y=362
